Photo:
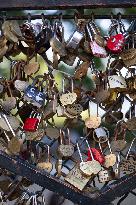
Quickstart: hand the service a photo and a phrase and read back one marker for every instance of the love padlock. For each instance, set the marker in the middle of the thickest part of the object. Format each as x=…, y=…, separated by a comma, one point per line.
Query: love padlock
x=118, y=36
x=117, y=33
x=115, y=43
x=98, y=156
x=31, y=124
x=96, y=49
x=33, y=95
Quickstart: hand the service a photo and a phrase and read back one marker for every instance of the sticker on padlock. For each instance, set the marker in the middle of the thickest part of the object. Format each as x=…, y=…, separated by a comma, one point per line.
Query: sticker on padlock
x=68, y=98
x=33, y=95
x=31, y=124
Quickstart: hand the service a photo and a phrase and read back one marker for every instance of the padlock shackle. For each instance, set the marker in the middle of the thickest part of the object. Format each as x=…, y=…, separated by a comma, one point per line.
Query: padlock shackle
x=68, y=132
x=9, y=125
x=36, y=79
x=48, y=153
x=79, y=151
x=62, y=134
x=131, y=145
x=94, y=28
x=91, y=153
x=89, y=34
x=108, y=142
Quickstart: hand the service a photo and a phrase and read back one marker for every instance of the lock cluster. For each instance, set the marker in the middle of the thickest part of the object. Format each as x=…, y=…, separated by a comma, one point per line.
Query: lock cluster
x=73, y=133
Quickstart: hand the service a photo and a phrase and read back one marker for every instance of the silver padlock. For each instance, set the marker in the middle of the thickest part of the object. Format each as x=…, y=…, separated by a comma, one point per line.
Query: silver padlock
x=75, y=39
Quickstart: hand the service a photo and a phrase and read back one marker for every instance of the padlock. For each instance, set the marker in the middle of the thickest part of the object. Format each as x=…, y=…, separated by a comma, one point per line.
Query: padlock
x=70, y=97
x=31, y=124
x=129, y=54
x=105, y=175
x=46, y=165
x=65, y=150
x=97, y=154
x=92, y=121
x=14, y=145
x=115, y=43
x=33, y=95
x=119, y=143
x=117, y=169
x=43, y=38
x=74, y=41
x=97, y=50
x=117, y=39
x=128, y=165
x=101, y=134
x=30, y=31
x=60, y=111
x=110, y=159
x=57, y=41
x=117, y=82
x=77, y=179
x=50, y=109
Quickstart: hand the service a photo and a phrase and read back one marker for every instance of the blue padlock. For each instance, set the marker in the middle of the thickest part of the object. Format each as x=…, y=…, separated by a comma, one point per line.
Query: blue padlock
x=33, y=95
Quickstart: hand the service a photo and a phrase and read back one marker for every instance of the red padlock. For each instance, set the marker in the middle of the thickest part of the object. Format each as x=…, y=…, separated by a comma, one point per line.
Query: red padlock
x=31, y=124
x=116, y=43
x=98, y=156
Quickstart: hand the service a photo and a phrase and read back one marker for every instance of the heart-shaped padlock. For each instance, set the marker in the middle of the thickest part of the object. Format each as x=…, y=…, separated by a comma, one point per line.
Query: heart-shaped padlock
x=115, y=43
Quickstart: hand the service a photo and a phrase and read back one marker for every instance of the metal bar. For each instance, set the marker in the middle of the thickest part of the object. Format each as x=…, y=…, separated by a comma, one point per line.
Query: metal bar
x=22, y=168
x=33, y=17
x=64, y=4
x=117, y=189
x=122, y=199
x=106, y=195
x=132, y=192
